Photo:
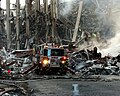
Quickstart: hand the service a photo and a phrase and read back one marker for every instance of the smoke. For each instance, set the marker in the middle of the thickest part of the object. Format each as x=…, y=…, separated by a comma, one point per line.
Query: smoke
x=108, y=14
x=114, y=48
x=113, y=19
x=67, y=6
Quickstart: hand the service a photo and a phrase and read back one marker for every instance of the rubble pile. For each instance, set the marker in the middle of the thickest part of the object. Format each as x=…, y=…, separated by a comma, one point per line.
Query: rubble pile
x=89, y=62
x=18, y=63
x=15, y=63
x=14, y=88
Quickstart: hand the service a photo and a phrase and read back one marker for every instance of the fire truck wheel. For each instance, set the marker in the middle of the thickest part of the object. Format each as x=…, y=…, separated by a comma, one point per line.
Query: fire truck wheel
x=62, y=71
x=44, y=71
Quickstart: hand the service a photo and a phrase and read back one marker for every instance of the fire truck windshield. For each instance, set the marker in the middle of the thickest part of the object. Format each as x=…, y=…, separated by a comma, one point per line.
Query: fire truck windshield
x=54, y=52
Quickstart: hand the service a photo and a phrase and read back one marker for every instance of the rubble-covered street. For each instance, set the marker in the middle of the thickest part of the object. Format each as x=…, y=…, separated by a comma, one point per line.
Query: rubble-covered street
x=95, y=77
x=59, y=48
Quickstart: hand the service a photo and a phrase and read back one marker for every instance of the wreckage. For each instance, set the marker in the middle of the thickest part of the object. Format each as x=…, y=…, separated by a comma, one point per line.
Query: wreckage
x=14, y=63
x=18, y=63
x=43, y=24
x=45, y=27
x=91, y=63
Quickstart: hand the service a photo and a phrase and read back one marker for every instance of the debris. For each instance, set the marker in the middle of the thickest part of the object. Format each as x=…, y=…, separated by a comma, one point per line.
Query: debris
x=15, y=63
x=95, y=65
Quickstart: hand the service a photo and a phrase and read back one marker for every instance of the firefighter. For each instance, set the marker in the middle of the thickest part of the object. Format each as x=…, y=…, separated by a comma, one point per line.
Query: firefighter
x=87, y=37
x=96, y=55
x=118, y=58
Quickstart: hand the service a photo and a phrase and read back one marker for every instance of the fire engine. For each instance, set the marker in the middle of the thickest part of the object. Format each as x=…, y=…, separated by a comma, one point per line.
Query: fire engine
x=50, y=58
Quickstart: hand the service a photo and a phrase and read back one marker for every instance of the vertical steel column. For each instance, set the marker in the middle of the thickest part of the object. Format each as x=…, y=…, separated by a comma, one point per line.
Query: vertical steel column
x=8, y=23
x=17, y=23
x=27, y=23
x=77, y=22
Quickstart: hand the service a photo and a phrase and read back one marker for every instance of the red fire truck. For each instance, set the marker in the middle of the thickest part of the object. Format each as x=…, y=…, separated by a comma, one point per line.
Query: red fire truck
x=51, y=58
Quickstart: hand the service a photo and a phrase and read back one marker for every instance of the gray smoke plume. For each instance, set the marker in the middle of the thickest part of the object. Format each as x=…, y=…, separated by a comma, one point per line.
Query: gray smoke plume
x=108, y=15
x=67, y=6
x=109, y=11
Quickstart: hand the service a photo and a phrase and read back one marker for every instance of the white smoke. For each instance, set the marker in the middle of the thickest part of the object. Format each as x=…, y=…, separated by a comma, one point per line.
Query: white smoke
x=114, y=48
x=108, y=12
x=67, y=8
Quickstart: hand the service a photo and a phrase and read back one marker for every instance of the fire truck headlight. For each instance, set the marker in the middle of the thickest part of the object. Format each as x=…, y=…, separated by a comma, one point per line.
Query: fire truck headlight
x=45, y=62
x=63, y=62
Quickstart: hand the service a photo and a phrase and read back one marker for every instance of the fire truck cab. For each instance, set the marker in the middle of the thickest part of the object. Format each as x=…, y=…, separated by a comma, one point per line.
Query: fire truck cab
x=53, y=59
